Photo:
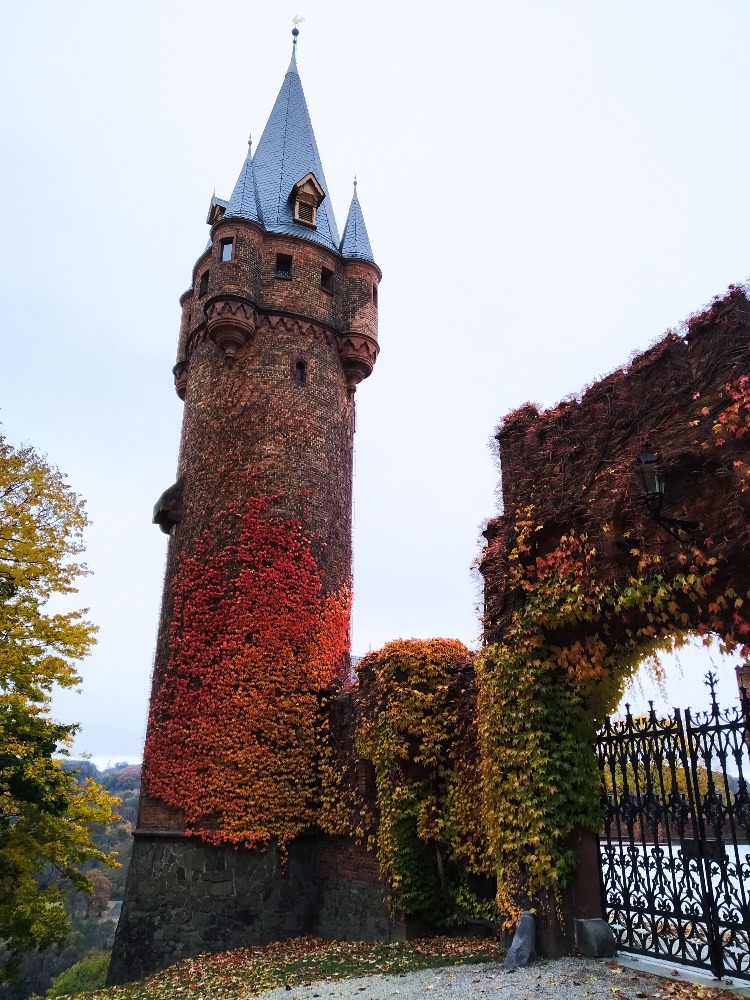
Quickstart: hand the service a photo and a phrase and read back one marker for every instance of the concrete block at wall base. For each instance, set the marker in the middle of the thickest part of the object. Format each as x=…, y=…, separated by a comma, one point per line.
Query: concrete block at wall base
x=523, y=948
x=594, y=938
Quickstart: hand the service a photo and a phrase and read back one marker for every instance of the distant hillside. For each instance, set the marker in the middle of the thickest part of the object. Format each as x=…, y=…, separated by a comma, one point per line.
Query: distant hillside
x=91, y=916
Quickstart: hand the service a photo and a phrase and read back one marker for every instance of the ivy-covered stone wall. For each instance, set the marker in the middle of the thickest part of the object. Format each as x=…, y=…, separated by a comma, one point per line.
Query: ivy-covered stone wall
x=574, y=465
x=584, y=579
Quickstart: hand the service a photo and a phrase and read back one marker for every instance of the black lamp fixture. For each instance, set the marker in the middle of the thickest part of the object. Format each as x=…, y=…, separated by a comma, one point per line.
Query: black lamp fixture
x=653, y=483
x=652, y=479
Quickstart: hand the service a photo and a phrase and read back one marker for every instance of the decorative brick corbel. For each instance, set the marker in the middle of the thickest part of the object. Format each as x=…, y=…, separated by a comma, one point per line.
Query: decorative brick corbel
x=180, y=372
x=231, y=323
x=168, y=508
x=358, y=354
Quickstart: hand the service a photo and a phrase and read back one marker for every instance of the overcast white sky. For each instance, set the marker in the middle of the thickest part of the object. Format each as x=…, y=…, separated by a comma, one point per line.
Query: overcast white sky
x=548, y=186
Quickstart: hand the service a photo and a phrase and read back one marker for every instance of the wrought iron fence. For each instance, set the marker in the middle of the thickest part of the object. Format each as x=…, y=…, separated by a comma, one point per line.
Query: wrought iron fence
x=675, y=850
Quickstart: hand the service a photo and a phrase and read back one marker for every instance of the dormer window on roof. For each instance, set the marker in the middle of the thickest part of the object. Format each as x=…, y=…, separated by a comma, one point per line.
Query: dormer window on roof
x=308, y=195
x=216, y=210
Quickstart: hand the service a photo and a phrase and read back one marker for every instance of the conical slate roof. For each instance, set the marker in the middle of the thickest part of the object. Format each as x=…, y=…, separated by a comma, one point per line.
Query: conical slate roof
x=355, y=241
x=286, y=153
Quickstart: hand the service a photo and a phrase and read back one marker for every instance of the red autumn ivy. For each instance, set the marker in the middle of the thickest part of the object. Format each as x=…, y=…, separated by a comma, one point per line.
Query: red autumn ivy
x=231, y=736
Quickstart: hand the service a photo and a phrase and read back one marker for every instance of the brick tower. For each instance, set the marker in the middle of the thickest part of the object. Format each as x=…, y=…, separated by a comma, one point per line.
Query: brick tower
x=278, y=328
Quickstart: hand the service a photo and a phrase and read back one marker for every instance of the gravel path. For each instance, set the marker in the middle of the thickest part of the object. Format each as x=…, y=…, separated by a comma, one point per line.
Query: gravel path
x=567, y=979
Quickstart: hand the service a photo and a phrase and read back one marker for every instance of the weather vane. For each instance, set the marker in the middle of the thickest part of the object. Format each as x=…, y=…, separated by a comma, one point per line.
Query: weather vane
x=296, y=21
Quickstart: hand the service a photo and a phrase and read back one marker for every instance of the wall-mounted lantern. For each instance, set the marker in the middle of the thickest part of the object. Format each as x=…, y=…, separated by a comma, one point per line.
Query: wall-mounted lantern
x=651, y=478
x=653, y=487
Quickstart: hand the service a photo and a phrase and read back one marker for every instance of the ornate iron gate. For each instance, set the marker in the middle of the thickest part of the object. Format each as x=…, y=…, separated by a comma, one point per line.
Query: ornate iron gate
x=675, y=850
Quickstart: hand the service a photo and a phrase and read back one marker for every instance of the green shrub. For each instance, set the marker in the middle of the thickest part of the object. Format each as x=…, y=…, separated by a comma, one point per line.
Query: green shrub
x=84, y=977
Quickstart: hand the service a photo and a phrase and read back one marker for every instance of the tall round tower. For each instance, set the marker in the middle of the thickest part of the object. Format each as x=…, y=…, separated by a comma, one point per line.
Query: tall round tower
x=278, y=328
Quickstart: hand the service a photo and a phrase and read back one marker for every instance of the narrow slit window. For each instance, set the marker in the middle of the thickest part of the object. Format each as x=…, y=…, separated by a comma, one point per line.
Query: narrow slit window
x=227, y=249
x=326, y=279
x=203, y=286
x=375, y=295
x=283, y=265
x=300, y=373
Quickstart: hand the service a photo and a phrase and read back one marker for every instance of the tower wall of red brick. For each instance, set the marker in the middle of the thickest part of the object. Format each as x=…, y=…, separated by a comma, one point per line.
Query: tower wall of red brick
x=255, y=423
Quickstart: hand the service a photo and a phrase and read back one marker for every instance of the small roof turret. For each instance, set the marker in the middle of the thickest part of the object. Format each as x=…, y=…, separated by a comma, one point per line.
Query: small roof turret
x=355, y=241
x=244, y=202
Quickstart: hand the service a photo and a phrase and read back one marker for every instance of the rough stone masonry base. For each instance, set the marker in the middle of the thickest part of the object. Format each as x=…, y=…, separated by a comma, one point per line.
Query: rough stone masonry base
x=185, y=897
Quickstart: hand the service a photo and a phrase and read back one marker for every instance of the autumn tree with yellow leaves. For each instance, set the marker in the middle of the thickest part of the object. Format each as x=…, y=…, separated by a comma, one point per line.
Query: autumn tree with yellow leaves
x=46, y=816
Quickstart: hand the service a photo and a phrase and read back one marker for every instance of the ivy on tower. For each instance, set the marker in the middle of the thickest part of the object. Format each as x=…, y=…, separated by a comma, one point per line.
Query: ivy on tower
x=279, y=326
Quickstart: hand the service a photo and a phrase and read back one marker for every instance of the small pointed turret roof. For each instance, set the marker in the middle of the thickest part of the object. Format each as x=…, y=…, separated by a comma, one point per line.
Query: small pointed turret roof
x=355, y=241
x=287, y=153
x=244, y=202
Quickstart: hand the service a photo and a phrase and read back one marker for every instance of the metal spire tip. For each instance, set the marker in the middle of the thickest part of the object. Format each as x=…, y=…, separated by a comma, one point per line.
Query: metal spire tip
x=296, y=21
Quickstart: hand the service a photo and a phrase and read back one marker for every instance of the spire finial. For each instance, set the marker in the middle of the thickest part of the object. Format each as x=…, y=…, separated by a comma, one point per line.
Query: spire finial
x=295, y=31
x=250, y=144
x=296, y=21
x=355, y=182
